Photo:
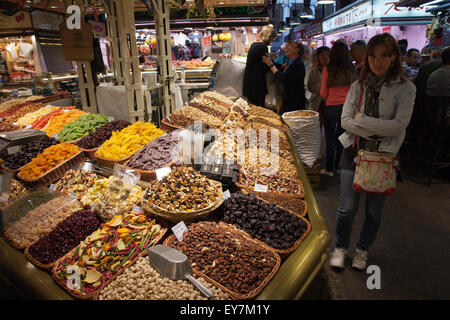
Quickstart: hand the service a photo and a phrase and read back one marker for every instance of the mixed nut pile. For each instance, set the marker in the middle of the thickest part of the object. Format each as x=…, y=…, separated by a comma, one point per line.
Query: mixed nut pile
x=235, y=262
x=142, y=282
x=264, y=221
x=77, y=181
x=183, y=190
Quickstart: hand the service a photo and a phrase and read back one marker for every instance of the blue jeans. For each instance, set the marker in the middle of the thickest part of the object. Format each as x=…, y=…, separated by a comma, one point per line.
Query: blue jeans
x=348, y=206
x=333, y=129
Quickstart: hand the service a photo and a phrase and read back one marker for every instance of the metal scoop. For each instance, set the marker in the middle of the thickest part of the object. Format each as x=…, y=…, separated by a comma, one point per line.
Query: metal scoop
x=174, y=265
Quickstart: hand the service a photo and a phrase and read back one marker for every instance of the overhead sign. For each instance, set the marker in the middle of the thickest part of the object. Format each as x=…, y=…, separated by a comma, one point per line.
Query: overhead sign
x=351, y=16
x=387, y=9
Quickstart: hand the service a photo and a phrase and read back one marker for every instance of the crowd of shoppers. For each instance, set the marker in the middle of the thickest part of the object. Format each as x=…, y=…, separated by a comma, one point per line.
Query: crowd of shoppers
x=368, y=97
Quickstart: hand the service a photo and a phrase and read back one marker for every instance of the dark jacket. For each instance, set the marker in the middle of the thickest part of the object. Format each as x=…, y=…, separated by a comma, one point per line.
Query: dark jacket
x=293, y=79
x=254, y=84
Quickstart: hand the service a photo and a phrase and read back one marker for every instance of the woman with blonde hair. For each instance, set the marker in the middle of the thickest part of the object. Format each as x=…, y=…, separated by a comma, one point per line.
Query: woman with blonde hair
x=254, y=84
x=377, y=109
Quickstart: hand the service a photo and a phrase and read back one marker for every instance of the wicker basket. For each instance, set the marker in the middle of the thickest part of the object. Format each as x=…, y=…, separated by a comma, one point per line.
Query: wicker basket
x=259, y=195
x=168, y=127
x=110, y=163
x=94, y=295
x=57, y=172
x=300, y=195
x=283, y=252
x=11, y=170
x=148, y=175
x=47, y=267
x=90, y=153
x=182, y=216
x=253, y=242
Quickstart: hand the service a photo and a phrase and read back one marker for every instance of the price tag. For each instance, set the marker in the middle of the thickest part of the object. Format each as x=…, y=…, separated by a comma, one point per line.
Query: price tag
x=161, y=173
x=195, y=100
x=73, y=195
x=28, y=126
x=1, y=119
x=178, y=230
x=260, y=188
x=12, y=150
x=55, y=135
x=15, y=123
x=244, y=172
x=52, y=187
x=66, y=110
x=226, y=194
x=136, y=209
x=110, y=119
x=92, y=207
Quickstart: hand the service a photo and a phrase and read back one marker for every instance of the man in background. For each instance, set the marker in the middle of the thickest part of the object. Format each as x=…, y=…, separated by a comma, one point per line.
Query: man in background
x=357, y=52
x=411, y=63
x=438, y=84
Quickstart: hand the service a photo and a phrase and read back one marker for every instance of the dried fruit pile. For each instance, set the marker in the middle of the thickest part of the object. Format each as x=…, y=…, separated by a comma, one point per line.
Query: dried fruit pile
x=141, y=281
x=42, y=122
x=126, y=142
x=292, y=204
x=31, y=117
x=106, y=251
x=57, y=122
x=28, y=152
x=96, y=138
x=49, y=159
x=40, y=221
x=26, y=108
x=183, y=190
x=227, y=257
x=66, y=236
x=156, y=154
x=264, y=221
x=77, y=181
x=81, y=127
x=111, y=197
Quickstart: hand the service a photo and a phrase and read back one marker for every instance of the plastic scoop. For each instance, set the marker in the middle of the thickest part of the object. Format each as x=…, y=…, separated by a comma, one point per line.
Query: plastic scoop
x=174, y=265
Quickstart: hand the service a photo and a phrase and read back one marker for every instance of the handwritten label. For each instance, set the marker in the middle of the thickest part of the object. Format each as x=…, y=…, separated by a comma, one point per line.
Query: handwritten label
x=226, y=194
x=178, y=230
x=260, y=188
x=12, y=150
x=110, y=119
x=52, y=187
x=161, y=173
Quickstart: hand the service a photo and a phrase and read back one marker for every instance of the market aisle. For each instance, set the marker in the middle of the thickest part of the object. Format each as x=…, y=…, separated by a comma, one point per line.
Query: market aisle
x=412, y=245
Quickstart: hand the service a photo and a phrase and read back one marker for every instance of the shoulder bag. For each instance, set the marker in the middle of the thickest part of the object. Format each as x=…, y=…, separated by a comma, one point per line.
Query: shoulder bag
x=375, y=171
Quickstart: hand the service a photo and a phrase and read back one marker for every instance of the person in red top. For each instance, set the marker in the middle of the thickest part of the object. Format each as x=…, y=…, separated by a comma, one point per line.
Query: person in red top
x=337, y=77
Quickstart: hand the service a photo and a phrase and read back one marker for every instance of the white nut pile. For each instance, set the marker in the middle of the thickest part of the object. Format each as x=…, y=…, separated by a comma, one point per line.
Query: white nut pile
x=142, y=282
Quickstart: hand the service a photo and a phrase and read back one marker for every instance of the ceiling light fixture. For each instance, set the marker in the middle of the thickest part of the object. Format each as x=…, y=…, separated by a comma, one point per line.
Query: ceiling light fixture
x=326, y=1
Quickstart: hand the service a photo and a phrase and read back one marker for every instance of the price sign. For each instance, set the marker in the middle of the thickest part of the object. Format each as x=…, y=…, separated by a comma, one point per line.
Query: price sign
x=110, y=119
x=260, y=188
x=226, y=194
x=52, y=187
x=12, y=150
x=28, y=126
x=55, y=135
x=161, y=173
x=178, y=230
x=136, y=209
x=73, y=195
x=195, y=100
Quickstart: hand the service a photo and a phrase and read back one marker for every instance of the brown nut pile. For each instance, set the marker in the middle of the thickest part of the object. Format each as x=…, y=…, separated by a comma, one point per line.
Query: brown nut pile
x=209, y=107
x=17, y=189
x=262, y=112
x=218, y=98
x=178, y=118
x=268, y=163
x=302, y=113
x=275, y=183
x=283, y=143
x=198, y=115
x=225, y=256
x=41, y=221
x=271, y=122
x=30, y=107
x=142, y=282
x=183, y=190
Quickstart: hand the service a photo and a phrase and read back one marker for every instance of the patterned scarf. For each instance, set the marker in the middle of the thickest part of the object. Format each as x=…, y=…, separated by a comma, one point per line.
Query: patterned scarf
x=371, y=105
